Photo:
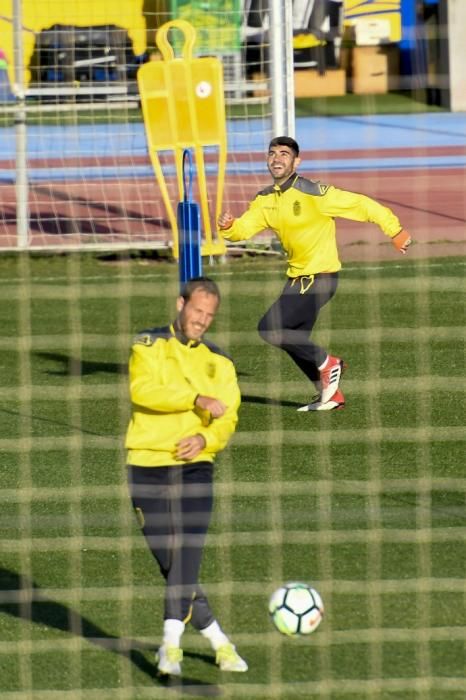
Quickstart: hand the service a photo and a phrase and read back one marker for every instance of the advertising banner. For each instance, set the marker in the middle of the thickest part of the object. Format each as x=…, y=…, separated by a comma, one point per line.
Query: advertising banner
x=217, y=24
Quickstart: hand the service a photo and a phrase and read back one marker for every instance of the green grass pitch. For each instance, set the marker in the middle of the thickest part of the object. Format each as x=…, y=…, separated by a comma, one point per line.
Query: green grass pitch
x=367, y=504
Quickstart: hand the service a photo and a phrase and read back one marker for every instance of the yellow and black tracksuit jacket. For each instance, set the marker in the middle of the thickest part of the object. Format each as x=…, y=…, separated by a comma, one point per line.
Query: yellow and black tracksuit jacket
x=167, y=372
x=301, y=213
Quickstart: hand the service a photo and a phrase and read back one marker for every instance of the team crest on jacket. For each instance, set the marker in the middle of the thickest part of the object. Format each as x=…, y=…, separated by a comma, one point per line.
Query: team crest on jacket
x=210, y=370
x=297, y=208
x=145, y=339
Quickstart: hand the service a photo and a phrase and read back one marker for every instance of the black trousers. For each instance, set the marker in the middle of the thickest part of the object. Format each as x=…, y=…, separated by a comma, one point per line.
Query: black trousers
x=289, y=321
x=174, y=505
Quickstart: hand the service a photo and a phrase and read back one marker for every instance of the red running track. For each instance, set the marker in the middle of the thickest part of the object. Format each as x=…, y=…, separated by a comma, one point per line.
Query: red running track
x=430, y=203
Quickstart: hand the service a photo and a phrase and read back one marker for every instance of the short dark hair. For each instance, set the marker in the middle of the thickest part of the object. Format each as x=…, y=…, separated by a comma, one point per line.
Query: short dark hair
x=285, y=141
x=205, y=283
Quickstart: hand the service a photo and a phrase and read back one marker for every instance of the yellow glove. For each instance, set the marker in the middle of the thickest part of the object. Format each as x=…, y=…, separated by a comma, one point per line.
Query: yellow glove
x=401, y=241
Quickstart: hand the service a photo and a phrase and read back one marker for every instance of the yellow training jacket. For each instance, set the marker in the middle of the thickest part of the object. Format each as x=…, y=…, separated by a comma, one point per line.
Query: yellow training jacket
x=301, y=213
x=167, y=373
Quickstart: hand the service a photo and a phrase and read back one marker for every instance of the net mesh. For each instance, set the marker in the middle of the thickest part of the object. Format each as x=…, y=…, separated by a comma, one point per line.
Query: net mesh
x=366, y=504
x=91, y=183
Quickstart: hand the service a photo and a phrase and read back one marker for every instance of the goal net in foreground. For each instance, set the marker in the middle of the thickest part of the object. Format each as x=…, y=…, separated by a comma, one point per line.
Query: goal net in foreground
x=365, y=504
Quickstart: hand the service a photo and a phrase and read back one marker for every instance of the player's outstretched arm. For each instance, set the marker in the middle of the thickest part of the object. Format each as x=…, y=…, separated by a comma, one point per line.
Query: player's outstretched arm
x=402, y=241
x=243, y=227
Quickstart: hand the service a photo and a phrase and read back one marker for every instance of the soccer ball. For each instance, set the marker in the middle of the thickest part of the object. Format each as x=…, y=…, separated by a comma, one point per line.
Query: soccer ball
x=296, y=608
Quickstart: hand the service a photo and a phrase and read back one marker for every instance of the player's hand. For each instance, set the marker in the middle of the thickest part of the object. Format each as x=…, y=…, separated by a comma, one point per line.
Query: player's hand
x=401, y=241
x=215, y=407
x=225, y=220
x=190, y=447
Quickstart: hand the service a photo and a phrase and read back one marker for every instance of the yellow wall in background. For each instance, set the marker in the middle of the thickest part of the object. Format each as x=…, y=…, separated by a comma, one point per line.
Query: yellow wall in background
x=131, y=15
x=41, y=14
x=376, y=9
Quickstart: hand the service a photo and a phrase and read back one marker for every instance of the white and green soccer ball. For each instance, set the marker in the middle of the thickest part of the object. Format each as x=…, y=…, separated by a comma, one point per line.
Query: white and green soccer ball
x=296, y=609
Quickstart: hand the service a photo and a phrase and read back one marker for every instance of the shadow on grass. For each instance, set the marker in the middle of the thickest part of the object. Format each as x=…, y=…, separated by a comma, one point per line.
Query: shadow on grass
x=265, y=400
x=52, y=421
x=76, y=367
x=23, y=599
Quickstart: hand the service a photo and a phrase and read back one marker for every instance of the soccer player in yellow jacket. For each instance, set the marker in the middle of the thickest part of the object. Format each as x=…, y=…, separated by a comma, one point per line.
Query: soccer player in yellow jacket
x=302, y=213
x=185, y=399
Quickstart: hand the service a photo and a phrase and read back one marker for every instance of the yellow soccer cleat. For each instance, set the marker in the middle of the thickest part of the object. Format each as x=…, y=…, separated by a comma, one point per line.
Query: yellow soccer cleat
x=169, y=660
x=228, y=659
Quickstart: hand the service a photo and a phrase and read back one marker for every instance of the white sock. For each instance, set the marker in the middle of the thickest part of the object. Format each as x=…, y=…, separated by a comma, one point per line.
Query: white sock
x=323, y=363
x=215, y=635
x=172, y=631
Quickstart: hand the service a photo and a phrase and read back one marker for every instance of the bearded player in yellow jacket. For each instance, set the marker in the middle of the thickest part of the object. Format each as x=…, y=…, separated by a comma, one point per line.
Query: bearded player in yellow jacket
x=302, y=213
x=185, y=399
